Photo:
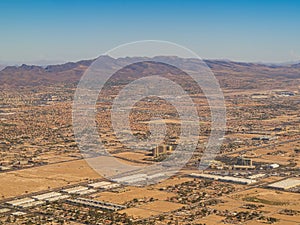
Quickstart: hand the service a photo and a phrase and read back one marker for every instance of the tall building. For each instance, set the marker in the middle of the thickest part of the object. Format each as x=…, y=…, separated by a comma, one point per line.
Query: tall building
x=244, y=163
x=241, y=161
x=162, y=150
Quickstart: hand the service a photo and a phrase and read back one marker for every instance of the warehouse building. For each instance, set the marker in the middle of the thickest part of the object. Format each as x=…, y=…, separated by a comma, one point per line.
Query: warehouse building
x=256, y=176
x=75, y=190
x=57, y=198
x=205, y=176
x=99, y=184
x=31, y=204
x=224, y=178
x=110, y=186
x=4, y=210
x=86, y=192
x=131, y=178
x=25, y=203
x=162, y=150
x=237, y=180
x=46, y=195
x=96, y=204
x=18, y=213
x=285, y=184
x=244, y=164
x=21, y=201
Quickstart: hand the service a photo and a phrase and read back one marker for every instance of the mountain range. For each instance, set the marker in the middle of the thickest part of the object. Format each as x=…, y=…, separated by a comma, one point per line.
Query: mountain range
x=228, y=72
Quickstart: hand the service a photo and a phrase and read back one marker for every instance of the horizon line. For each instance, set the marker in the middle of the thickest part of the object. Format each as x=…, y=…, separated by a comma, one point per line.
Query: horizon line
x=52, y=62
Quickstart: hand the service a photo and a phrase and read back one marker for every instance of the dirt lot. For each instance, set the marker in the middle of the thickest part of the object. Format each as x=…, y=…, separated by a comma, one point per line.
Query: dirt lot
x=131, y=193
x=136, y=156
x=172, y=181
x=272, y=202
x=41, y=178
x=151, y=209
x=211, y=220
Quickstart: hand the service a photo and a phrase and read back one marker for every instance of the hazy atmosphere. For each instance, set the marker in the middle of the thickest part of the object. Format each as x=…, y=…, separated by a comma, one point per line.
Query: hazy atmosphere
x=50, y=31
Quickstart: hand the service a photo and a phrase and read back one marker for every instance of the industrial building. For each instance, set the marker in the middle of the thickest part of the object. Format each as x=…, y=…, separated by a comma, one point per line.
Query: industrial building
x=96, y=204
x=224, y=178
x=50, y=197
x=46, y=195
x=31, y=204
x=255, y=176
x=162, y=150
x=86, y=192
x=137, y=178
x=274, y=166
x=4, y=210
x=18, y=213
x=205, y=176
x=214, y=164
x=285, y=184
x=19, y=202
x=110, y=186
x=25, y=203
x=57, y=198
x=104, y=185
x=99, y=184
x=263, y=138
x=37, y=200
x=75, y=190
x=243, y=163
x=237, y=180
x=131, y=178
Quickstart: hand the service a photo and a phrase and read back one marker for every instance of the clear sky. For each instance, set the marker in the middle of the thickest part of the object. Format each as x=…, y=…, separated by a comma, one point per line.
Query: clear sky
x=60, y=30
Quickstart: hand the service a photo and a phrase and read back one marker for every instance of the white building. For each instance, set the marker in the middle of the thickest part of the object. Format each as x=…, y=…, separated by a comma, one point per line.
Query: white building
x=285, y=184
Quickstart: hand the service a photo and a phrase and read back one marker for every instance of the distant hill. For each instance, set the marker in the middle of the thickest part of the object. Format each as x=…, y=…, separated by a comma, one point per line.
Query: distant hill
x=230, y=74
x=2, y=67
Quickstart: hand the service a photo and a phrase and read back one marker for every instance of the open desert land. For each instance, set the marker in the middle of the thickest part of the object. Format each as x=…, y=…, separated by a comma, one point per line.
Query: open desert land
x=211, y=220
x=269, y=197
x=283, y=154
x=152, y=209
x=134, y=157
x=45, y=178
x=132, y=194
x=172, y=182
x=253, y=202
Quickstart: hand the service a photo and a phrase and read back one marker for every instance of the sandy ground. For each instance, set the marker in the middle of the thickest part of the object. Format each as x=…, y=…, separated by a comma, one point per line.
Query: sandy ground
x=273, y=202
x=136, y=156
x=211, y=220
x=41, y=178
x=132, y=193
x=172, y=182
x=152, y=208
x=254, y=222
x=286, y=198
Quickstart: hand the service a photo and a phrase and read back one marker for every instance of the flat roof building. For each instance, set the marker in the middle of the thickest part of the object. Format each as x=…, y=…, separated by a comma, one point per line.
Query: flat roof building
x=21, y=201
x=75, y=190
x=224, y=178
x=99, y=184
x=4, y=210
x=46, y=196
x=162, y=150
x=285, y=184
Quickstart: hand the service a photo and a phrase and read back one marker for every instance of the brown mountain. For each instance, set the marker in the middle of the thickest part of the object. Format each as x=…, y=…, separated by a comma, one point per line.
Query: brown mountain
x=230, y=74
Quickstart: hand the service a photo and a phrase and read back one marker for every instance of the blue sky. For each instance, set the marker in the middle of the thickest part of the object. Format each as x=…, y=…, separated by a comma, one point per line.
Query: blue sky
x=60, y=30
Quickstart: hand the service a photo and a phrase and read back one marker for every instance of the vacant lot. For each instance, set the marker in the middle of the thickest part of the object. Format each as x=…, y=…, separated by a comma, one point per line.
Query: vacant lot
x=44, y=177
x=133, y=193
x=152, y=209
